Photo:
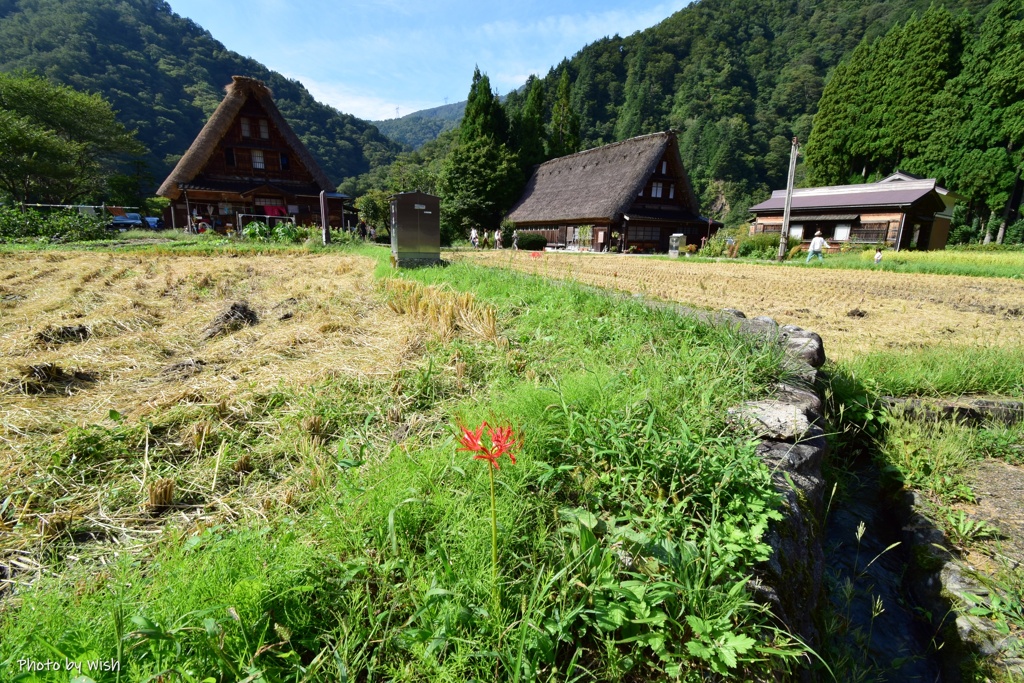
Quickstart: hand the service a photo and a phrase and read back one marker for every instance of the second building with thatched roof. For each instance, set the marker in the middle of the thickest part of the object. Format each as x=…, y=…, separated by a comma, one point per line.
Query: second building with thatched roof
x=626, y=196
x=247, y=164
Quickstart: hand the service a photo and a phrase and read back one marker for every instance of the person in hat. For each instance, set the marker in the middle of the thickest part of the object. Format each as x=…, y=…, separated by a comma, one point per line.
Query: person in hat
x=818, y=245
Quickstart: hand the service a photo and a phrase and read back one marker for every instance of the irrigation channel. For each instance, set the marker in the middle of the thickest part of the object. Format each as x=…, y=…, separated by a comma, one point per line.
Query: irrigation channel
x=883, y=634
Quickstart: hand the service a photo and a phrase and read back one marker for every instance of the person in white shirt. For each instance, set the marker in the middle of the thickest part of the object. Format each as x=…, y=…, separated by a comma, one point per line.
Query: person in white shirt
x=818, y=244
x=878, y=257
x=474, y=238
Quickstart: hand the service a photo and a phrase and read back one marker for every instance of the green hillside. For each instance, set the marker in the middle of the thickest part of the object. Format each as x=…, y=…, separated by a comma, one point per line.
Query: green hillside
x=737, y=78
x=420, y=127
x=164, y=74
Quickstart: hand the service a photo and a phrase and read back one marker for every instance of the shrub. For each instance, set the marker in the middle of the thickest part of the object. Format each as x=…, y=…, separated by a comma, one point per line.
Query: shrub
x=383, y=236
x=532, y=241
x=764, y=245
x=63, y=226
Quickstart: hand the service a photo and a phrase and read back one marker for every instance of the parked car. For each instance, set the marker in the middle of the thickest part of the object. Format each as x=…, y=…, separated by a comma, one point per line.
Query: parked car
x=155, y=223
x=129, y=221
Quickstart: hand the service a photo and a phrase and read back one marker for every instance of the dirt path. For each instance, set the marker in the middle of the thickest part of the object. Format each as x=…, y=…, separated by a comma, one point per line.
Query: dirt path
x=855, y=311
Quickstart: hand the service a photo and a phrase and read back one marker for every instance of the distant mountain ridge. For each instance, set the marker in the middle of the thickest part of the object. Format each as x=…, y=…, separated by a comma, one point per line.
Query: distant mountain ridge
x=165, y=75
x=420, y=127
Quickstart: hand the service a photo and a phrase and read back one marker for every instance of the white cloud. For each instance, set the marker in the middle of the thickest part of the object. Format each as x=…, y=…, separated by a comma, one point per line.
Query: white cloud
x=362, y=104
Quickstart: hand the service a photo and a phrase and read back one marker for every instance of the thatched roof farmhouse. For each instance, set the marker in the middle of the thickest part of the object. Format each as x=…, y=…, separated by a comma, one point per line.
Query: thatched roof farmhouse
x=246, y=163
x=636, y=189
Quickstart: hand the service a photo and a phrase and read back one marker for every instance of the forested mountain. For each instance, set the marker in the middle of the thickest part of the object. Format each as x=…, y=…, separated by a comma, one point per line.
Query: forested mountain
x=420, y=127
x=165, y=75
x=737, y=78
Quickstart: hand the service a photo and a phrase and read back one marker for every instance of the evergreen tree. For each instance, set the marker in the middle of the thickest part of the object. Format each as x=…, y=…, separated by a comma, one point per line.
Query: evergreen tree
x=481, y=177
x=637, y=107
x=479, y=181
x=484, y=115
x=528, y=126
x=564, y=130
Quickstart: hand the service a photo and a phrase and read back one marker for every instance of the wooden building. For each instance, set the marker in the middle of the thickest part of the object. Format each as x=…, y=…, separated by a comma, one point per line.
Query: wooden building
x=247, y=164
x=633, y=195
x=901, y=211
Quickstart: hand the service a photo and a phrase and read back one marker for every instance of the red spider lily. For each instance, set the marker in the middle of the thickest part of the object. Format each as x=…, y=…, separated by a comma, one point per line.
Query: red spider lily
x=534, y=254
x=471, y=440
x=502, y=442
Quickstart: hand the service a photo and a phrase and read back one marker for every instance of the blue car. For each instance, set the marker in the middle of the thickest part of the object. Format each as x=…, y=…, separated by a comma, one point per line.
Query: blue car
x=155, y=223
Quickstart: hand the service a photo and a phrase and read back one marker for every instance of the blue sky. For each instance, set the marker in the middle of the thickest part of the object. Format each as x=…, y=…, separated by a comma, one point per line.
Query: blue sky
x=369, y=57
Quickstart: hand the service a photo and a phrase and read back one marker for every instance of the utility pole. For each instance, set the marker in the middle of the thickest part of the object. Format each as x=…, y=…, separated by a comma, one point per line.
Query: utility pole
x=784, y=237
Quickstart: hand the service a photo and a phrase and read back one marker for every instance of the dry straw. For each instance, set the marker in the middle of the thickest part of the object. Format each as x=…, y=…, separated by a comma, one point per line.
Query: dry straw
x=318, y=317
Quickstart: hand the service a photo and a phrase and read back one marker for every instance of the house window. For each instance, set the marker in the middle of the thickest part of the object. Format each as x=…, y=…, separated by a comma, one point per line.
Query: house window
x=284, y=161
x=842, y=232
x=229, y=157
x=268, y=201
x=264, y=129
x=643, y=234
x=796, y=231
x=671, y=191
x=656, y=189
x=257, y=159
x=664, y=167
x=246, y=128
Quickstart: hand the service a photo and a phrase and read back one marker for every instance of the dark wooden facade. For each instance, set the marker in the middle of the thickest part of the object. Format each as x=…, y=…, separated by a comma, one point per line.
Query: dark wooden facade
x=247, y=164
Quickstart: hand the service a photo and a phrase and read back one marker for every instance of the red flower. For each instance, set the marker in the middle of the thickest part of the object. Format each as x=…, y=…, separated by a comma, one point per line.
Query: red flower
x=534, y=254
x=471, y=440
x=502, y=442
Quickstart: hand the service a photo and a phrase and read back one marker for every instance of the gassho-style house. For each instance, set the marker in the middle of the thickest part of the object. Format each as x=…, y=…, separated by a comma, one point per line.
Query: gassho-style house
x=627, y=196
x=901, y=211
x=247, y=164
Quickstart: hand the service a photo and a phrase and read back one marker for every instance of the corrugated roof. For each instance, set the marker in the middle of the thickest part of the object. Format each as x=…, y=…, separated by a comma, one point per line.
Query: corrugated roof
x=597, y=184
x=870, y=195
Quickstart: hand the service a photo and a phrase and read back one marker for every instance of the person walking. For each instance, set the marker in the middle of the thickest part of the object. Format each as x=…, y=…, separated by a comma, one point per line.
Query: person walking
x=474, y=238
x=818, y=244
x=515, y=240
x=497, y=239
x=878, y=257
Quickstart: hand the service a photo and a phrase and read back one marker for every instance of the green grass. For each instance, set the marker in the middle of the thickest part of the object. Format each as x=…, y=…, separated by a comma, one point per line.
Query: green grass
x=942, y=371
x=627, y=528
x=1008, y=264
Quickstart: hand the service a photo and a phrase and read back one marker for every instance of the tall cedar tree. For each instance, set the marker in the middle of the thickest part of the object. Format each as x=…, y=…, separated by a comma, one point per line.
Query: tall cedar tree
x=481, y=176
x=978, y=122
x=484, y=115
x=564, y=130
x=527, y=125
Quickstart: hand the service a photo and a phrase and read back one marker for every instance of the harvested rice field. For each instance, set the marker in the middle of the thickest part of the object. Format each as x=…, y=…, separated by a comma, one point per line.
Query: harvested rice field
x=855, y=311
x=191, y=352
x=149, y=332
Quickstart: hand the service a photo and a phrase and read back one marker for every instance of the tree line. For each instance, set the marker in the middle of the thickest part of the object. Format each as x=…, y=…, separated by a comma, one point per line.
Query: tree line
x=938, y=97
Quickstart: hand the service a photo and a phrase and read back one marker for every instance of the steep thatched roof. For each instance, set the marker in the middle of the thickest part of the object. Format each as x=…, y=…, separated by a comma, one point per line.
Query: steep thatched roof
x=238, y=91
x=598, y=184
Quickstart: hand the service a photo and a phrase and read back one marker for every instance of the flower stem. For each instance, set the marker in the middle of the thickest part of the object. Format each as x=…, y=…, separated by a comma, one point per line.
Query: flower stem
x=494, y=541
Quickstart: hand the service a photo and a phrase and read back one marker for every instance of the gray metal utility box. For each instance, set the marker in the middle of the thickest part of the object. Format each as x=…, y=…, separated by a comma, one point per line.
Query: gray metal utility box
x=415, y=229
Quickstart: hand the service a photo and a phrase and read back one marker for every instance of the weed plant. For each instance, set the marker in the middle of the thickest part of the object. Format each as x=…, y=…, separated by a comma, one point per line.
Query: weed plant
x=628, y=528
x=978, y=263
x=942, y=371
